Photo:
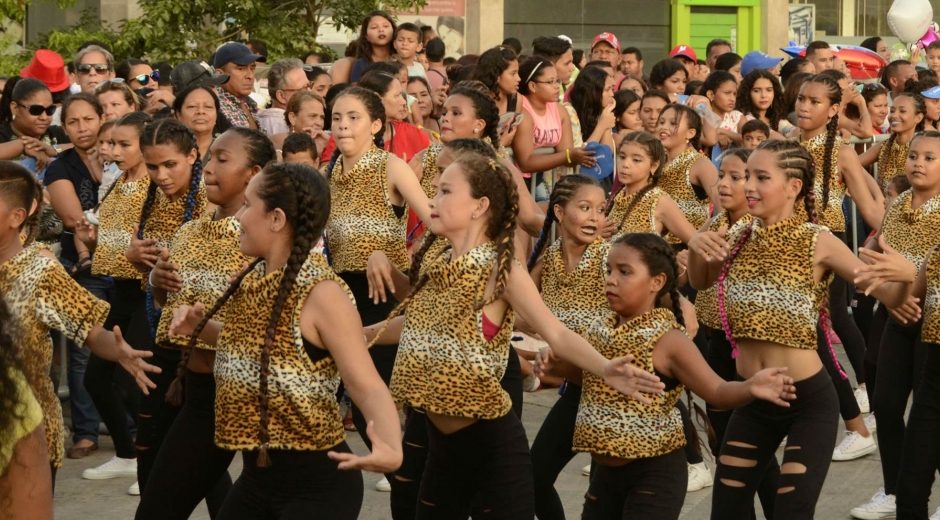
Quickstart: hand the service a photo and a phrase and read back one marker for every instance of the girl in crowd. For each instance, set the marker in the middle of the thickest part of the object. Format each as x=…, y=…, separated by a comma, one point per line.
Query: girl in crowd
x=634, y=83
x=117, y=99
x=761, y=97
x=198, y=108
x=320, y=81
x=730, y=62
x=278, y=370
x=773, y=330
x=651, y=106
x=591, y=108
x=498, y=69
x=26, y=128
x=906, y=119
x=721, y=90
x=626, y=113
x=670, y=76
x=373, y=46
x=202, y=256
x=305, y=112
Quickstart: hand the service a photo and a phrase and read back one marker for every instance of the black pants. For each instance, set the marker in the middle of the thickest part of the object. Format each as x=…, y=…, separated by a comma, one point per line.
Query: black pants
x=485, y=465
x=651, y=488
x=900, y=363
x=156, y=415
x=852, y=340
x=691, y=450
x=551, y=452
x=754, y=433
x=720, y=360
x=406, y=482
x=863, y=313
x=299, y=485
x=189, y=466
x=113, y=390
x=848, y=405
x=920, y=452
x=875, y=333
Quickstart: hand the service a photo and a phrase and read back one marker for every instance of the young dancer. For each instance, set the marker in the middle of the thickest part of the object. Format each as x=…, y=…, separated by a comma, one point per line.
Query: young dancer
x=793, y=260
x=291, y=333
x=906, y=118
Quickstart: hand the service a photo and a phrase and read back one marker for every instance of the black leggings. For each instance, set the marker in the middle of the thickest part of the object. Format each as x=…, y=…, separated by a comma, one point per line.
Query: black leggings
x=852, y=339
x=754, y=433
x=875, y=333
x=652, y=488
x=920, y=452
x=485, y=466
x=900, y=364
x=156, y=415
x=848, y=405
x=189, y=463
x=113, y=390
x=551, y=452
x=298, y=485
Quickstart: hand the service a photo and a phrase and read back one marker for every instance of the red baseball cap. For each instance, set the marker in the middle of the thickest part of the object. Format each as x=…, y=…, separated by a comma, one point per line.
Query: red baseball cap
x=608, y=38
x=47, y=66
x=685, y=51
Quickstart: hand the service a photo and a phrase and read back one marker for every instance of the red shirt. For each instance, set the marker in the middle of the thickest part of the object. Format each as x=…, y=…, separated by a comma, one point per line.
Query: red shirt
x=405, y=142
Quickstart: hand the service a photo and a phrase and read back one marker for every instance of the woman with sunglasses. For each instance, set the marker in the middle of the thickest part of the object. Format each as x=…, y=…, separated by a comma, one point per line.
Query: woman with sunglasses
x=137, y=73
x=26, y=128
x=117, y=99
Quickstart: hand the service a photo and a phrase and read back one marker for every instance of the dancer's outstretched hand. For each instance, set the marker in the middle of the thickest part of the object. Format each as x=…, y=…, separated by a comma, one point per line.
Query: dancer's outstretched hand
x=631, y=381
x=383, y=459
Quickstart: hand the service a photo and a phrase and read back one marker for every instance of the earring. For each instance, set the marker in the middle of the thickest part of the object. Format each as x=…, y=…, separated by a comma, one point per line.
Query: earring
x=476, y=130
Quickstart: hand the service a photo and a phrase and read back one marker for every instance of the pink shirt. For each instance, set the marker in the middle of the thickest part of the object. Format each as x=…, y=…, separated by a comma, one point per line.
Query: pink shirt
x=546, y=128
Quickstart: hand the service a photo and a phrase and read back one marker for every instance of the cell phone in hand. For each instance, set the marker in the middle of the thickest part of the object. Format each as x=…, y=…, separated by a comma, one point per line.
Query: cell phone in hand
x=508, y=121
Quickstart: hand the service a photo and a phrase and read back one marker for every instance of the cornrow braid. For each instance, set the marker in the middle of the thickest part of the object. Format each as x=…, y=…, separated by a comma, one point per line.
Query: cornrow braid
x=505, y=237
x=562, y=193
x=722, y=311
x=796, y=163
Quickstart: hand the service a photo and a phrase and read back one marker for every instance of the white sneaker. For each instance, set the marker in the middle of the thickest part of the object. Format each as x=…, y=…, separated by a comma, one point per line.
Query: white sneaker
x=114, y=468
x=935, y=515
x=861, y=395
x=134, y=490
x=881, y=506
x=531, y=384
x=871, y=424
x=854, y=446
x=586, y=470
x=383, y=485
x=699, y=477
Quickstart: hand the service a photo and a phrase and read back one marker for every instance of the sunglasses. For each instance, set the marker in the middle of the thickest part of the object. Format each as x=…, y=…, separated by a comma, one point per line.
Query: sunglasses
x=100, y=68
x=35, y=110
x=143, y=79
x=101, y=86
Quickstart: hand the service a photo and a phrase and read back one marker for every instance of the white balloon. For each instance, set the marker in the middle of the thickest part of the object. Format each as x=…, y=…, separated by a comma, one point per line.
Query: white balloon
x=909, y=20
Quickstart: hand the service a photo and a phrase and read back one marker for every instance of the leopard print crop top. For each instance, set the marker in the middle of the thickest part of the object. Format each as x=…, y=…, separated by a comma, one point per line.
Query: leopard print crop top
x=576, y=297
x=444, y=364
x=610, y=423
x=770, y=292
x=677, y=183
x=430, y=169
x=207, y=254
x=42, y=297
x=362, y=219
x=912, y=232
x=891, y=162
x=118, y=214
x=831, y=216
x=167, y=215
x=706, y=302
x=930, y=332
x=642, y=218
x=302, y=406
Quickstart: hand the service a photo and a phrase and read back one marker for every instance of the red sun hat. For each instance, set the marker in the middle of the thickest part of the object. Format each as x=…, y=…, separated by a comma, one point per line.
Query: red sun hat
x=47, y=66
x=685, y=51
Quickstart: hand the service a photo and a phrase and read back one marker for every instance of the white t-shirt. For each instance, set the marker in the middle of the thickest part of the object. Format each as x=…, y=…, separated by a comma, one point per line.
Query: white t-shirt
x=417, y=69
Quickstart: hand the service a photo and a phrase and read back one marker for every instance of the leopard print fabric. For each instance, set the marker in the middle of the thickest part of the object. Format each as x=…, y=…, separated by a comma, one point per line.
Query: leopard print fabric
x=430, y=169
x=167, y=216
x=831, y=216
x=302, y=406
x=42, y=297
x=677, y=183
x=706, y=302
x=912, y=232
x=577, y=297
x=770, y=293
x=444, y=363
x=642, y=218
x=610, y=423
x=891, y=163
x=930, y=332
x=207, y=254
x=118, y=214
x=362, y=219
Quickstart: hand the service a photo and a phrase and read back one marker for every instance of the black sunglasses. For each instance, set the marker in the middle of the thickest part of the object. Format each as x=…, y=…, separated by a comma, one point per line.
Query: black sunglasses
x=35, y=110
x=100, y=68
x=143, y=79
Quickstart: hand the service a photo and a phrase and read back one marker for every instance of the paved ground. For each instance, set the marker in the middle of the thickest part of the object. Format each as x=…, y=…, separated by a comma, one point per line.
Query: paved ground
x=848, y=484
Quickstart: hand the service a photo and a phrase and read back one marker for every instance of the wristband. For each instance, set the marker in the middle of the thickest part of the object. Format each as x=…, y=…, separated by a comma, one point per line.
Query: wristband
x=568, y=154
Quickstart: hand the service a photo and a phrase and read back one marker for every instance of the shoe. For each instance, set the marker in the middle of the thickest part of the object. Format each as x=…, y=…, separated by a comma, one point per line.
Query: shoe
x=383, y=485
x=880, y=506
x=699, y=477
x=861, y=395
x=81, y=452
x=854, y=446
x=348, y=424
x=586, y=470
x=872, y=424
x=134, y=490
x=935, y=515
x=114, y=468
x=531, y=384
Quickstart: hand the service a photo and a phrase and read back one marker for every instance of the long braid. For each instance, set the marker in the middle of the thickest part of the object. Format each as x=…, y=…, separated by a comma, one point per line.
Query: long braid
x=418, y=259
x=832, y=130
x=505, y=238
x=722, y=312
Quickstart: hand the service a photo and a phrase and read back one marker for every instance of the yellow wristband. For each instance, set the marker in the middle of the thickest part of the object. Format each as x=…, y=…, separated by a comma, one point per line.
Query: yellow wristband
x=568, y=154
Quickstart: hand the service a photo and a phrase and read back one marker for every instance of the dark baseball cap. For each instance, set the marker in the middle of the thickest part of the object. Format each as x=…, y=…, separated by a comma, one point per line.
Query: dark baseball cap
x=237, y=53
x=195, y=72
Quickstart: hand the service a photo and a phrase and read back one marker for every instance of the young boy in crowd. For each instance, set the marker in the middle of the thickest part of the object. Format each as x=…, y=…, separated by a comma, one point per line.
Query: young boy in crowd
x=933, y=56
x=407, y=45
x=298, y=147
x=753, y=133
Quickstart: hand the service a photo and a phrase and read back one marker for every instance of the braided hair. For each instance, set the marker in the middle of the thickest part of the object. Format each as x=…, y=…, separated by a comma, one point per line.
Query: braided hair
x=484, y=107
x=562, y=193
x=834, y=92
x=660, y=258
x=920, y=107
x=691, y=118
x=304, y=197
x=655, y=151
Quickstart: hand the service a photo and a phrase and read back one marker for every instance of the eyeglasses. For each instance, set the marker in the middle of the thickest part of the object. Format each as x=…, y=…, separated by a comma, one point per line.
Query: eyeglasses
x=101, y=86
x=143, y=79
x=35, y=110
x=100, y=68
x=554, y=81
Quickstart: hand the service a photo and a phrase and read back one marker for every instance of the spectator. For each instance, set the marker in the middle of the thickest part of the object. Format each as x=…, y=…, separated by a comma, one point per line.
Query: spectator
x=137, y=73
x=316, y=58
x=579, y=58
x=194, y=72
x=730, y=62
x=716, y=48
x=753, y=133
x=606, y=47
x=427, y=34
x=437, y=72
x=300, y=148
x=820, y=55
x=670, y=76
x=634, y=83
x=407, y=45
x=877, y=45
x=305, y=114
x=631, y=62
x=420, y=89
x=319, y=80
x=198, y=107
x=117, y=99
x=49, y=67
x=286, y=77
x=93, y=64
x=895, y=76
x=514, y=44
x=794, y=66
x=374, y=44
x=686, y=56
x=239, y=63
x=558, y=51
x=498, y=70
x=26, y=129
x=755, y=60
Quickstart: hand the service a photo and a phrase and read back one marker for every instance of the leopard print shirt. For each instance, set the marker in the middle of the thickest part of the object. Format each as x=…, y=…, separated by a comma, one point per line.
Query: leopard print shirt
x=912, y=232
x=118, y=214
x=362, y=219
x=444, y=363
x=706, y=302
x=831, y=216
x=167, y=216
x=770, y=293
x=302, y=406
x=677, y=183
x=577, y=297
x=430, y=169
x=207, y=254
x=610, y=423
x=642, y=219
x=930, y=332
x=42, y=297
x=891, y=163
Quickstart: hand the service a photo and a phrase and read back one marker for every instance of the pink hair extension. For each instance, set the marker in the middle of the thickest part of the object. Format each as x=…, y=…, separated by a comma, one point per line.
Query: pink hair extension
x=826, y=327
x=723, y=314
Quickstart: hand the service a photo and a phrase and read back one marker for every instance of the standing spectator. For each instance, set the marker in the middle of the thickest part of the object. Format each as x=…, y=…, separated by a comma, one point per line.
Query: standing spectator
x=407, y=46
x=498, y=70
x=877, y=45
x=137, y=73
x=49, y=67
x=686, y=56
x=93, y=64
x=316, y=58
x=374, y=43
x=730, y=62
x=895, y=76
x=26, y=129
x=427, y=34
x=117, y=99
x=755, y=60
x=437, y=73
x=795, y=66
x=606, y=47
x=820, y=55
x=198, y=108
x=631, y=62
x=239, y=63
x=716, y=48
x=558, y=51
x=514, y=44
x=285, y=78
